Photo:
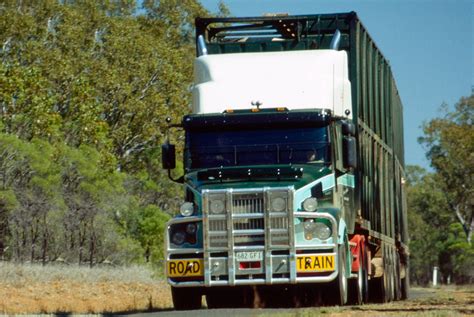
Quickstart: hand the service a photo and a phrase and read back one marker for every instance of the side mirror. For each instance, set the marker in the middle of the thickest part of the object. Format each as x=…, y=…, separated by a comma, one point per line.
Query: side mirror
x=168, y=156
x=349, y=148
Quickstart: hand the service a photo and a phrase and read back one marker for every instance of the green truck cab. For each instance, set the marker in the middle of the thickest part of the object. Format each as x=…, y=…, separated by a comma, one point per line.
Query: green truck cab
x=293, y=163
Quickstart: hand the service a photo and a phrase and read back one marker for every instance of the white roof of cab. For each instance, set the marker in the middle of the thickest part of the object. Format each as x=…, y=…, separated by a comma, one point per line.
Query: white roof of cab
x=291, y=79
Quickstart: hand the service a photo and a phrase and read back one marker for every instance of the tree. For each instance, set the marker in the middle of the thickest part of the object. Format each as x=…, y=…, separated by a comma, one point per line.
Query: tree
x=441, y=203
x=428, y=220
x=85, y=87
x=449, y=141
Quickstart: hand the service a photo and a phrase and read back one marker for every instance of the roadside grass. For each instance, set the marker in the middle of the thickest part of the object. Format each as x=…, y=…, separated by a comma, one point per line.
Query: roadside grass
x=33, y=288
x=19, y=274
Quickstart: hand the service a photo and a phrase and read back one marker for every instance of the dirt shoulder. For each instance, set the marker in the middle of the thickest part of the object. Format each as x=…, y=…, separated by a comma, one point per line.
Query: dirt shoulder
x=33, y=289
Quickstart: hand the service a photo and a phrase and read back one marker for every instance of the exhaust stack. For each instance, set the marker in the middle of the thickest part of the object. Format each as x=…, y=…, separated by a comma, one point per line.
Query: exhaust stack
x=201, y=46
x=336, y=40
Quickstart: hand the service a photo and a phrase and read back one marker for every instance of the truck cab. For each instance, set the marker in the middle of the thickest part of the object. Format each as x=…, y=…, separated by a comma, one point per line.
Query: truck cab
x=270, y=166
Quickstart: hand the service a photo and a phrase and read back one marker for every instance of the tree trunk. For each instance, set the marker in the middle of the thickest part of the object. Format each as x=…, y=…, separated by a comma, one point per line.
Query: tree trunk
x=45, y=240
x=3, y=229
x=92, y=244
x=471, y=229
x=34, y=239
x=468, y=228
x=81, y=244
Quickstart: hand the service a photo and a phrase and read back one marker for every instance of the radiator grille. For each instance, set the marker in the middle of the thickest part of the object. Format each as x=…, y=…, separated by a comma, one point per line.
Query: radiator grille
x=248, y=204
x=247, y=221
x=217, y=225
x=248, y=224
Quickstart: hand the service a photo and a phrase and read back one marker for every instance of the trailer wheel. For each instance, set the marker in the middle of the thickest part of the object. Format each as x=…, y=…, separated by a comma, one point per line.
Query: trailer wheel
x=337, y=289
x=186, y=298
x=365, y=292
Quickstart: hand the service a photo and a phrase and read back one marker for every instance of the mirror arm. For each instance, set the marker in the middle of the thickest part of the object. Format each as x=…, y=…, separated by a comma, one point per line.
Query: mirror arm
x=179, y=180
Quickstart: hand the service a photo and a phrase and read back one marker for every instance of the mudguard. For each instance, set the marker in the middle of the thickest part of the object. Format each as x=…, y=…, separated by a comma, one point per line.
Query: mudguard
x=342, y=239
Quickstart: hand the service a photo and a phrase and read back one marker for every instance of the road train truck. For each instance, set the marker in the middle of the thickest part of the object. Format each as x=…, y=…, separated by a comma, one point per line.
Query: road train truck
x=293, y=166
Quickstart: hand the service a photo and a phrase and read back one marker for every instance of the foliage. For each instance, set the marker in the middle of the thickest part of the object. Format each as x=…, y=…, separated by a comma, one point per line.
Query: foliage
x=449, y=141
x=426, y=211
x=462, y=254
x=441, y=203
x=85, y=87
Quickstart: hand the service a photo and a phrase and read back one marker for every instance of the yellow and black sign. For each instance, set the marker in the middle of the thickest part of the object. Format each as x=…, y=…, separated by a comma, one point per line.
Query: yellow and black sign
x=182, y=268
x=315, y=263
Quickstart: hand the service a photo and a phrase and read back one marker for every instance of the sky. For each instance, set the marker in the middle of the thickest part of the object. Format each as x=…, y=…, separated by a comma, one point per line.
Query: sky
x=429, y=44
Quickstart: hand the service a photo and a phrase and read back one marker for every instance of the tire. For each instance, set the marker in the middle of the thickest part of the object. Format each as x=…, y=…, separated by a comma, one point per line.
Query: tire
x=186, y=298
x=366, y=290
x=336, y=293
x=356, y=286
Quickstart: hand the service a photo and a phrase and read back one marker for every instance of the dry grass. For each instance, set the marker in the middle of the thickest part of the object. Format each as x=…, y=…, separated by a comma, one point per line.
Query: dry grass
x=30, y=288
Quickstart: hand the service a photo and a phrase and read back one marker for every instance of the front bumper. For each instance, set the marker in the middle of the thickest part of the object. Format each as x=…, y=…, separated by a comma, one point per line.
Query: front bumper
x=277, y=266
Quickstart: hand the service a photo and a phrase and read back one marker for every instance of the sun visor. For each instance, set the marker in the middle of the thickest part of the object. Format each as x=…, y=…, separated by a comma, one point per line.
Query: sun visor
x=292, y=79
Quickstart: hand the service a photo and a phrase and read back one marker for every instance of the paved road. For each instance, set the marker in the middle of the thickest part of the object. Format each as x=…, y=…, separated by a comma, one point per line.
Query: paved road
x=414, y=294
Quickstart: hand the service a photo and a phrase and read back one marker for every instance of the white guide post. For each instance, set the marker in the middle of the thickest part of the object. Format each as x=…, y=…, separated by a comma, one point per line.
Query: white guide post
x=435, y=275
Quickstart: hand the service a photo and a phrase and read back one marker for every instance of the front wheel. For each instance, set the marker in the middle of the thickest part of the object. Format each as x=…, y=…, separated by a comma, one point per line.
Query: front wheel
x=336, y=293
x=356, y=286
x=186, y=298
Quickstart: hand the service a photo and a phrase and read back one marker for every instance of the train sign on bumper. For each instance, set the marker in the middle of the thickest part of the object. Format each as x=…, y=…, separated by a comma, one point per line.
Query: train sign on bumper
x=315, y=263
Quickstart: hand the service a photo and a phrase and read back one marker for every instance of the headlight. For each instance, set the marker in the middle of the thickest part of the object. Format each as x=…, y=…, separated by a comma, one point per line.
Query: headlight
x=178, y=237
x=187, y=209
x=278, y=204
x=317, y=229
x=191, y=228
x=322, y=231
x=309, y=226
x=217, y=206
x=310, y=204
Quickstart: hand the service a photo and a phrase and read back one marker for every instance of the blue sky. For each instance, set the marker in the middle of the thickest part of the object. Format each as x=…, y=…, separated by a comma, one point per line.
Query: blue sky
x=429, y=44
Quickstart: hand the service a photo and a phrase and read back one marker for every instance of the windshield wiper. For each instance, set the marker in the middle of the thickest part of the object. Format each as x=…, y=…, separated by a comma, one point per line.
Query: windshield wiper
x=277, y=173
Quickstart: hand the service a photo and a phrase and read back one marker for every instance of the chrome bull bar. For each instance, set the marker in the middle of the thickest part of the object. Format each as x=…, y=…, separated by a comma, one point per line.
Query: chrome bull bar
x=271, y=262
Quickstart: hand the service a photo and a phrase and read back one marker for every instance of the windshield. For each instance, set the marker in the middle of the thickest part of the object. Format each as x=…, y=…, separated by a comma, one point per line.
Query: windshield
x=207, y=149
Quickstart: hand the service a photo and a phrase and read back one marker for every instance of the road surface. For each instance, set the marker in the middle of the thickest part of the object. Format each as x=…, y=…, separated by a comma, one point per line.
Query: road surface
x=422, y=301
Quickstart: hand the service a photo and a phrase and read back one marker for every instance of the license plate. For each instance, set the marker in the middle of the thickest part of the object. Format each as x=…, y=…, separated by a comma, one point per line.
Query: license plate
x=181, y=268
x=249, y=256
x=315, y=263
